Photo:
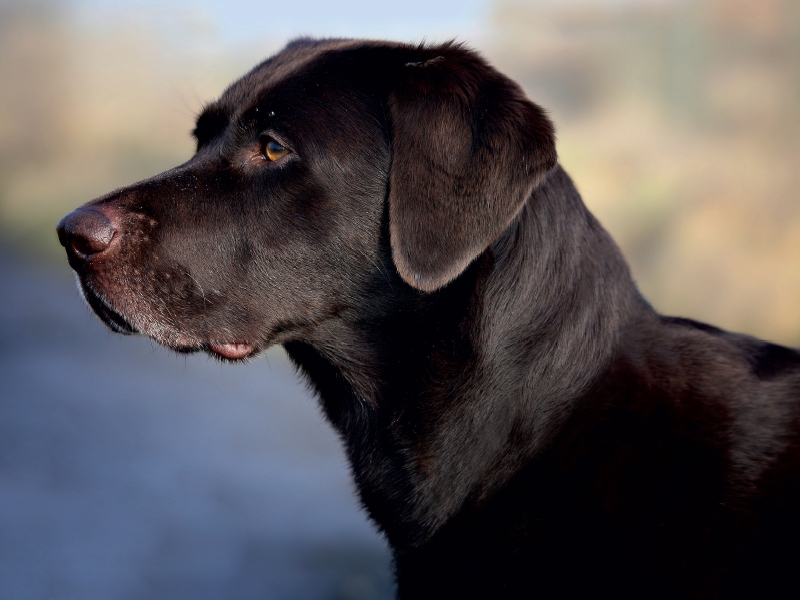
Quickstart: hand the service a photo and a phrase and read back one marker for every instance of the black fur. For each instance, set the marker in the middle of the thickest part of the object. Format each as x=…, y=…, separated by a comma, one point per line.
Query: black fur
x=519, y=421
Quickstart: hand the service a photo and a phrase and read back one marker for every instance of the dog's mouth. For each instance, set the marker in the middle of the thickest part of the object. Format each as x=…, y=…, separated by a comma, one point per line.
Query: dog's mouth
x=114, y=320
x=228, y=350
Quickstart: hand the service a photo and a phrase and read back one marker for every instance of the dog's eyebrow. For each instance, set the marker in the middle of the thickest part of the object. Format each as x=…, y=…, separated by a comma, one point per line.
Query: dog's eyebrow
x=211, y=123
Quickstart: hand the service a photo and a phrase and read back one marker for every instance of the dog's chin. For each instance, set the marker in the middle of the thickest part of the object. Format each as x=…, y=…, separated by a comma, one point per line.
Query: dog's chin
x=112, y=319
x=226, y=351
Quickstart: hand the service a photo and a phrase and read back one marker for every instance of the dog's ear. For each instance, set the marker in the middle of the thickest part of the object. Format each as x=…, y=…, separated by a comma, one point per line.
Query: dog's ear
x=467, y=150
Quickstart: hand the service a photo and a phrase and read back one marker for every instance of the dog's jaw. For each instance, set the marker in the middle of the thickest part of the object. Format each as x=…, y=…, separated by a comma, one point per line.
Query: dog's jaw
x=161, y=332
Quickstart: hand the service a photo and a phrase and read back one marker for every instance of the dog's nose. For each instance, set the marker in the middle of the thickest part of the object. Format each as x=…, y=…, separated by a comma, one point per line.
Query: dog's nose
x=85, y=232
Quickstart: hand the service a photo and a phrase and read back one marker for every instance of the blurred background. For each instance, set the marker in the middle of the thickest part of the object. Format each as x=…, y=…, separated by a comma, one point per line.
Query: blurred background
x=128, y=472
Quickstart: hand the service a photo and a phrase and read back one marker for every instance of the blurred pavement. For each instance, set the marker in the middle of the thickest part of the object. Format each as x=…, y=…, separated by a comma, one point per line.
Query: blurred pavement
x=130, y=472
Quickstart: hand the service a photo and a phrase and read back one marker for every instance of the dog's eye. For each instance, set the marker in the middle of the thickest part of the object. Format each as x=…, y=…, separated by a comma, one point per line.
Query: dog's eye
x=273, y=150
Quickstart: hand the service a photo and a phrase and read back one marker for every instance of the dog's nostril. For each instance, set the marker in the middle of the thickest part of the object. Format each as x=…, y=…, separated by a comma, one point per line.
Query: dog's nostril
x=84, y=232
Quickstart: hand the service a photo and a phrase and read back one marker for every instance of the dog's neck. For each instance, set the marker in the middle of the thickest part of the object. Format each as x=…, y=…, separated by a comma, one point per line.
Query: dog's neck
x=417, y=385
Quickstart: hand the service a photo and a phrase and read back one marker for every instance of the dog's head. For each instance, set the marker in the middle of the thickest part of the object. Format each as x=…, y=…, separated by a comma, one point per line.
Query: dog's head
x=323, y=167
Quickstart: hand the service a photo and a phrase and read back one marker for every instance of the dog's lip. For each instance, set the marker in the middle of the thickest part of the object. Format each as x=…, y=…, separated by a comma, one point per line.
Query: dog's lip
x=232, y=350
x=113, y=319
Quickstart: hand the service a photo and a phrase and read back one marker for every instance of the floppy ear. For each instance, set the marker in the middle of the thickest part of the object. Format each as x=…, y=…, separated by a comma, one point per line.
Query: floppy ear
x=467, y=150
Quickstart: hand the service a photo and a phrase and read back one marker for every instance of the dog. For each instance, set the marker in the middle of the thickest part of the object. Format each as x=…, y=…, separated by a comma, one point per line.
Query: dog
x=519, y=421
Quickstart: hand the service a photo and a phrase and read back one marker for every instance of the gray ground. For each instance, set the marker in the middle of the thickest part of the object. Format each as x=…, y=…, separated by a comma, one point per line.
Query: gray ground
x=129, y=472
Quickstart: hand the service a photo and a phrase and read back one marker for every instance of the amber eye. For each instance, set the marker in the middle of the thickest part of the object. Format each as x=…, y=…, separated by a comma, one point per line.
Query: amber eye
x=273, y=150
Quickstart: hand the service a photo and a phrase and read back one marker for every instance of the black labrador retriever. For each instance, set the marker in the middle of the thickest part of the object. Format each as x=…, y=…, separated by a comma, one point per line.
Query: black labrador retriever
x=519, y=421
